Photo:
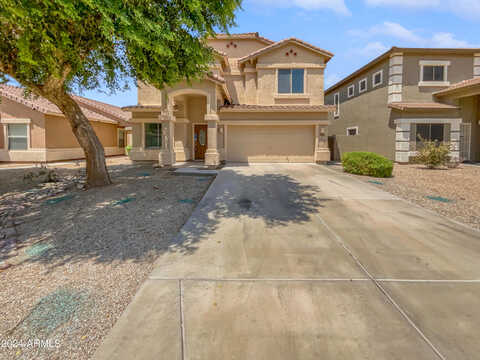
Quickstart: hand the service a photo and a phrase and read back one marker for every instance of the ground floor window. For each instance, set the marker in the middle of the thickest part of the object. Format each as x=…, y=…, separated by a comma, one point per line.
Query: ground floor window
x=17, y=136
x=121, y=138
x=352, y=131
x=430, y=132
x=153, y=135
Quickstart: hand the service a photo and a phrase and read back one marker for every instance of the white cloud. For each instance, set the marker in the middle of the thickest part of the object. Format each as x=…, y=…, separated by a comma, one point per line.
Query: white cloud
x=371, y=50
x=465, y=8
x=337, y=6
x=409, y=37
x=447, y=40
x=389, y=29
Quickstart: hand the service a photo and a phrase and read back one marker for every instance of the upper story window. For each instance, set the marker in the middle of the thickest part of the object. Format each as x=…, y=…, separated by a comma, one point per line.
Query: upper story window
x=336, y=103
x=362, y=86
x=434, y=73
x=351, y=91
x=17, y=136
x=377, y=78
x=291, y=81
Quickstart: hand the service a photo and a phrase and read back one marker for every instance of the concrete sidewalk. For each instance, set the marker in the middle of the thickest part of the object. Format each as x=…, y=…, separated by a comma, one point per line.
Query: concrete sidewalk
x=298, y=262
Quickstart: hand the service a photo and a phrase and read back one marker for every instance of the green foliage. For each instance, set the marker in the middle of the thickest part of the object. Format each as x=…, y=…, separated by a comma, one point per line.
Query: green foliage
x=84, y=43
x=128, y=148
x=367, y=163
x=433, y=154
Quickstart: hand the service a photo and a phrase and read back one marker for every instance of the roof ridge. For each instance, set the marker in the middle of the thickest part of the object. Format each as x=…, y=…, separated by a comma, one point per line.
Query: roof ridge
x=280, y=42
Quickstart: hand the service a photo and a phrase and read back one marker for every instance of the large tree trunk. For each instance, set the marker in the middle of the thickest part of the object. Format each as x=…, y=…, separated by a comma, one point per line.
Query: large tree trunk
x=97, y=173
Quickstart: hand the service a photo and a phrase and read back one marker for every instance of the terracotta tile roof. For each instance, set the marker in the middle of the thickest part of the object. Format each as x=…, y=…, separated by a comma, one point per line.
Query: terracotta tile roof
x=459, y=86
x=419, y=106
x=276, y=108
x=254, y=54
x=248, y=35
x=142, y=108
x=45, y=106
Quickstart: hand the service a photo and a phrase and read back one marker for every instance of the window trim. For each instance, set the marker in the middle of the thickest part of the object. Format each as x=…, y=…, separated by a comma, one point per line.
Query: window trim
x=381, y=78
x=6, y=122
x=352, y=128
x=348, y=91
x=278, y=94
x=360, y=91
x=444, y=63
x=144, y=143
x=336, y=112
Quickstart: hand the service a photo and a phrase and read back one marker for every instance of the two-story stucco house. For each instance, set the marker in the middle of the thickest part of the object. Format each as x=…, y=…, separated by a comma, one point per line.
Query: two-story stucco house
x=405, y=95
x=263, y=101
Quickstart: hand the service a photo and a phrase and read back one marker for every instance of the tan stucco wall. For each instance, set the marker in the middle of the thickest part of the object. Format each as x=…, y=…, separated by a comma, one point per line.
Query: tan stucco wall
x=2, y=137
x=13, y=109
x=461, y=68
x=59, y=133
x=368, y=111
x=244, y=46
x=266, y=80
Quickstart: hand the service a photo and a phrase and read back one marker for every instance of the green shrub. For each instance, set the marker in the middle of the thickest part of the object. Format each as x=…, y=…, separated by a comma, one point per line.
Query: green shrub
x=127, y=149
x=367, y=163
x=433, y=154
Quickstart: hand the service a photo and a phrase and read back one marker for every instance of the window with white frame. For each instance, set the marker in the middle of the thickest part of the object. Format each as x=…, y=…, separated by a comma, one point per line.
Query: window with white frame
x=121, y=138
x=336, y=103
x=433, y=72
x=352, y=131
x=351, y=91
x=153, y=135
x=17, y=136
x=362, y=86
x=377, y=78
x=291, y=81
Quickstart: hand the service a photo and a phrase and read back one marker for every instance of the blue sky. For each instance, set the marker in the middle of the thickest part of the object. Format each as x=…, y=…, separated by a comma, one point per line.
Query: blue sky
x=356, y=31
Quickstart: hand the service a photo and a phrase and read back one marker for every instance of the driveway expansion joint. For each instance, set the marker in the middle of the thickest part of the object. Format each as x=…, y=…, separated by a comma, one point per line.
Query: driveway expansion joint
x=339, y=239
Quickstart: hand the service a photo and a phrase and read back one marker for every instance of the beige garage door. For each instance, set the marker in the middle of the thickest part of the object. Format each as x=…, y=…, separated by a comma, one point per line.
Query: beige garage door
x=270, y=143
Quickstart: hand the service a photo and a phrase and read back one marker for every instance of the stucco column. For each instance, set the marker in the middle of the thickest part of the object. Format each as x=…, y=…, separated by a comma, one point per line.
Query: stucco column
x=250, y=84
x=166, y=156
x=322, y=152
x=212, y=156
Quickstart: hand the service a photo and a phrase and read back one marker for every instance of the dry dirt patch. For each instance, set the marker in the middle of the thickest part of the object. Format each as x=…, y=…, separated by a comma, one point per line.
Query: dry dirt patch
x=78, y=257
x=454, y=193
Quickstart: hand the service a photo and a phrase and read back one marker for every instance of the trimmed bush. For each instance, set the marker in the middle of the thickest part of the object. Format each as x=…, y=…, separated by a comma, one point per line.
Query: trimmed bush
x=433, y=154
x=367, y=163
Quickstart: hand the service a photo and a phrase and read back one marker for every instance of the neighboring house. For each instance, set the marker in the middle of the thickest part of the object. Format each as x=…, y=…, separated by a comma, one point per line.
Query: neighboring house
x=32, y=129
x=263, y=101
x=406, y=93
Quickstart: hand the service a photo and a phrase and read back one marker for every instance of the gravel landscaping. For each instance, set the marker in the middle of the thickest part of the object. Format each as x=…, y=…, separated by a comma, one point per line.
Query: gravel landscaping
x=71, y=260
x=454, y=193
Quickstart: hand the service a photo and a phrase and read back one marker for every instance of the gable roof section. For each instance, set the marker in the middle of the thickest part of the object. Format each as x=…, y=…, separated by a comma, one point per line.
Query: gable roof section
x=280, y=43
x=465, y=85
x=249, y=35
x=386, y=55
x=106, y=113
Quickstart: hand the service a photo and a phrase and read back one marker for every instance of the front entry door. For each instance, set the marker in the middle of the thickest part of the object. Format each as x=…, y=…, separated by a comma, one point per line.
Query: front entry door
x=200, y=141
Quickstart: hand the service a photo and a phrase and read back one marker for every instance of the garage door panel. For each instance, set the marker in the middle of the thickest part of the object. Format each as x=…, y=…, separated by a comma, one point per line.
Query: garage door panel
x=270, y=143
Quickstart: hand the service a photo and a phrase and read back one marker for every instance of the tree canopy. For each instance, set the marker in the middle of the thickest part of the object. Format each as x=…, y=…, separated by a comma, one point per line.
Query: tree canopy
x=54, y=46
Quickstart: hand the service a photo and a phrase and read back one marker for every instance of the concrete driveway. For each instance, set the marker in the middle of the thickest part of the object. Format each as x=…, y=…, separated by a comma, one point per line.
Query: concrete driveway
x=299, y=262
